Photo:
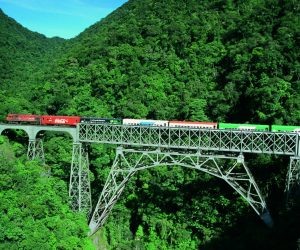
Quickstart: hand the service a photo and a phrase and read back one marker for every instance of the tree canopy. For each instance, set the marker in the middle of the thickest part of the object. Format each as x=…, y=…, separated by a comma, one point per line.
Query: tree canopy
x=223, y=61
x=34, y=208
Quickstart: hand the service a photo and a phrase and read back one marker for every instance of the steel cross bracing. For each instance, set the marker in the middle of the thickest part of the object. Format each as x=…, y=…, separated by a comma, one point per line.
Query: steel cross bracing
x=80, y=189
x=232, y=169
x=240, y=141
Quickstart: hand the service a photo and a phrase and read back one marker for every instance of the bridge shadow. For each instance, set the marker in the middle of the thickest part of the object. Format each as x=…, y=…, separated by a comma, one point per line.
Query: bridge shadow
x=19, y=139
x=245, y=230
x=250, y=233
x=196, y=196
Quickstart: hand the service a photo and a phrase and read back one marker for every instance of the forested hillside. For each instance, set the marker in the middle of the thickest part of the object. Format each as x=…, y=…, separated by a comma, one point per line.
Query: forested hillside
x=232, y=61
x=34, y=207
x=24, y=56
x=200, y=60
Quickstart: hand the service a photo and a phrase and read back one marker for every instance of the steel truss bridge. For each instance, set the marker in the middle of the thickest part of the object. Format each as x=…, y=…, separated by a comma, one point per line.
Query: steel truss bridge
x=216, y=152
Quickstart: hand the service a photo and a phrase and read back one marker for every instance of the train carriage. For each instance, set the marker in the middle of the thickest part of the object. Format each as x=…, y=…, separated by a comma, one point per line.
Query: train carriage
x=142, y=122
x=60, y=120
x=249, y=127
x=97, y=120
x=279, y=128
x=179, y=124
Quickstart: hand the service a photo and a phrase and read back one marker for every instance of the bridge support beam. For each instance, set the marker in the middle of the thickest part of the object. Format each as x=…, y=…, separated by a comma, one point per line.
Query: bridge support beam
x=36, y=150
x=293, y=179
x=128, y=161
x=80, y=189
x=119, y=175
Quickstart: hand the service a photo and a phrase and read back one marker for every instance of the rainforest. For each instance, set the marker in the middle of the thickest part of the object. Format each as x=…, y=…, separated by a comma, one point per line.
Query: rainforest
x=233, y=61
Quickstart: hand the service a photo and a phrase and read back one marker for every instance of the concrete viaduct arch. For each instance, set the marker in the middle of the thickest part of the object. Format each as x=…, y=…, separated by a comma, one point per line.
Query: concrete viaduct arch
x=79, y=186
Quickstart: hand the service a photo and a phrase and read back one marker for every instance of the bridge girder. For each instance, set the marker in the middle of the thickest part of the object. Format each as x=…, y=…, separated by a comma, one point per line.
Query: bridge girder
x=215, y=140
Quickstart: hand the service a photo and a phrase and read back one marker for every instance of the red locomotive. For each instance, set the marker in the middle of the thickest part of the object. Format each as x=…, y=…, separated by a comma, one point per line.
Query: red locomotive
x=16, y=118
x=43, y=119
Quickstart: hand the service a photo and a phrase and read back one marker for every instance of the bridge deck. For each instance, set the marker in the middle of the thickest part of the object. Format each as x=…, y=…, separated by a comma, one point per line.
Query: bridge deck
x=283, y=143
x=33, y=130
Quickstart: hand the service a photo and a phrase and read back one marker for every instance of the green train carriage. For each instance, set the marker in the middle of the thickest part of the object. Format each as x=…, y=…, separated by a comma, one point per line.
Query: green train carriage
x=284, y=128
x=239, y=126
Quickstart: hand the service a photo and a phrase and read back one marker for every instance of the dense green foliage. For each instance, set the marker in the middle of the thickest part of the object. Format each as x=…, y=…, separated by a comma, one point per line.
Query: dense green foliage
x=231, y=61
x=34, y=208
x=24, y=56
x=218, y=60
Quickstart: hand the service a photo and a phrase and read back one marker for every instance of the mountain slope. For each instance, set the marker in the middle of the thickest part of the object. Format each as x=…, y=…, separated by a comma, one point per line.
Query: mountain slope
x=200, y=61
x=23, y=56
x=234, y=61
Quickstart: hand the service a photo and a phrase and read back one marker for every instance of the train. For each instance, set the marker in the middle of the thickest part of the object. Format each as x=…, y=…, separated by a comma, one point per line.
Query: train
x=53, y=120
